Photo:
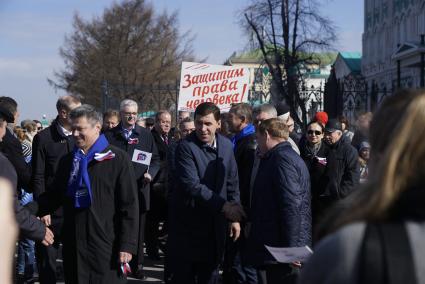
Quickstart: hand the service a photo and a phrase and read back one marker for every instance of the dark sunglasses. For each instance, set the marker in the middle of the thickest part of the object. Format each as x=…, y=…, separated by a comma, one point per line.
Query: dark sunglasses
x=39, y=128
x=311, y=132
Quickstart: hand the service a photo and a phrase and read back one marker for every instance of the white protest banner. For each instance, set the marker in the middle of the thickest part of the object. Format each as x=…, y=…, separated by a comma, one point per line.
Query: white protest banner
x=222, y=85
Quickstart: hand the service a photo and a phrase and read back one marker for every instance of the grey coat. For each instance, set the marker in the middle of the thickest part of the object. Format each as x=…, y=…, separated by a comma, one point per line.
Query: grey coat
x=336, y=258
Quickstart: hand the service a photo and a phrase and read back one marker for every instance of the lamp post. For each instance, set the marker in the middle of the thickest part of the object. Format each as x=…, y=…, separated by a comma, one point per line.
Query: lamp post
x=422, y=66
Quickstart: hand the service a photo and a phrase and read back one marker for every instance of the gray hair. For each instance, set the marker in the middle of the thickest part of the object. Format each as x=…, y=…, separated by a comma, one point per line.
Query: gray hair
x=159, y=113
x=266, y=108
x=127, y=103
x=88, y=112
x=65, y=102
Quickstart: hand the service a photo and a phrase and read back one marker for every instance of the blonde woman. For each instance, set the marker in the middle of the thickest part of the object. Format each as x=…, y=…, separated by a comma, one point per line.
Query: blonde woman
x=379, y=238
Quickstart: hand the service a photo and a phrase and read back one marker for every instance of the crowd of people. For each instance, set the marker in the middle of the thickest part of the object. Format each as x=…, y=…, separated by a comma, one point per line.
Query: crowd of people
x=211, y=192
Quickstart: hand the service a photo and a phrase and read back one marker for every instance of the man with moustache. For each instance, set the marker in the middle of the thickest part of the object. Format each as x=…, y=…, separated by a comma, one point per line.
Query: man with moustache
x=137, y=141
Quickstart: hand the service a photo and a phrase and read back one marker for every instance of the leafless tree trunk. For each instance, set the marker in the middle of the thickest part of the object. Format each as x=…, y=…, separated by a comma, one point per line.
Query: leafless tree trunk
x=290, y=34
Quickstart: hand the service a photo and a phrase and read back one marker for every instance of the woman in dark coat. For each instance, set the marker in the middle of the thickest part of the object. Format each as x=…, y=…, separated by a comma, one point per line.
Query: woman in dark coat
x=314, y=152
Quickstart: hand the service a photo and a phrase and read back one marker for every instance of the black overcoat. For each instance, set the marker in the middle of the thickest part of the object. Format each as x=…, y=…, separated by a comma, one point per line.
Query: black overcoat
x=12, y=149
x=146, y=143
x=94, y=236
x=29, y=226
x=206, y=179
x=48, y=147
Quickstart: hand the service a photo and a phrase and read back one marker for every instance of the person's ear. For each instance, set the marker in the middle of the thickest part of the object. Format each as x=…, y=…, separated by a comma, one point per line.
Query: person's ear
x=63, y=113
x=266, y=133
x=98, y=126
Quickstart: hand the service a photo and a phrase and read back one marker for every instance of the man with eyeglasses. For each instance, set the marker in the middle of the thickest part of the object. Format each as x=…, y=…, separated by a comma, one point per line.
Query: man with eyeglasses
x=139, y=144
x=39, y=125
x=342, y=168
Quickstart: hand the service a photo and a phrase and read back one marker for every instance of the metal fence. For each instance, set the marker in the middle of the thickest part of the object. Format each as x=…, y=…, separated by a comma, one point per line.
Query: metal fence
x=150, y=98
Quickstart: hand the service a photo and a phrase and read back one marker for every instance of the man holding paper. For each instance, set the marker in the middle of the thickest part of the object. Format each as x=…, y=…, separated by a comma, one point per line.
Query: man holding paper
x=280, y=204
x=140, y=146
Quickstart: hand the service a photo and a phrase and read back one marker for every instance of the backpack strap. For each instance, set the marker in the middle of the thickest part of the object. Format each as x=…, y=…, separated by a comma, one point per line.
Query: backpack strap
x=372, y=257
x=386, y=255
x=398, y=253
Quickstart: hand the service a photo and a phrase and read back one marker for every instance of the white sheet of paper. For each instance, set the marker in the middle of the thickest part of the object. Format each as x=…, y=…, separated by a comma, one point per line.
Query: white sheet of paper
x=289, y=255
x=142, y=157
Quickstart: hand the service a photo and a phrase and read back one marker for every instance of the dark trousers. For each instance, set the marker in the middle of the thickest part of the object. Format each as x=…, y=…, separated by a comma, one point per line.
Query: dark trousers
x=235, y=270
x=157, y=214
x=139, y=258
x=194, y=273
x=277, y=274
x=46, y=262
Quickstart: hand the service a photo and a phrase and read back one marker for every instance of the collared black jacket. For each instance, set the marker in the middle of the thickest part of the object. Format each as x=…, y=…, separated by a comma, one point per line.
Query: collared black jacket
x=245, y=155
x=162, y=176
x=145, y=143
x=29, y=226
x=94, y=236
x=342, y=170
x=280, y=208
x=49, y=146
x=12, y=149
x=205, y=179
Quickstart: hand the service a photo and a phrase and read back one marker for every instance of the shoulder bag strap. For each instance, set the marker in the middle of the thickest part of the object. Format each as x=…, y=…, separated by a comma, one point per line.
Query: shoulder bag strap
x=386, y=255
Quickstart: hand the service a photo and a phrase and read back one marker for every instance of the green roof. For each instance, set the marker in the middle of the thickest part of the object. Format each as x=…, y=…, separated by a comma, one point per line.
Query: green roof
x=256, y=56
x=353, y=60
x=147, y=114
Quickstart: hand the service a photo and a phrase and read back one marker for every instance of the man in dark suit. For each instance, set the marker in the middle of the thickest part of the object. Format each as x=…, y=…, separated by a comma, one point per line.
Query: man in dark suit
x=244, y=147
x=158, y=212
x=204, y=206
x=97, y=189
x=140, y=146
x=29, y=226
x=49, y=146
x=12, y=148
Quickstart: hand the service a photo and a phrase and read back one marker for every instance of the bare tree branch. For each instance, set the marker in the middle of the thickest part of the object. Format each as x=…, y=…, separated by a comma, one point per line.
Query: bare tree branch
x=289, y=34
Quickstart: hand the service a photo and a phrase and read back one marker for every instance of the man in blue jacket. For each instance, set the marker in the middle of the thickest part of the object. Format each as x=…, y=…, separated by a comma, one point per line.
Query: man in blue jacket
x=280, y=205
x=205, y=202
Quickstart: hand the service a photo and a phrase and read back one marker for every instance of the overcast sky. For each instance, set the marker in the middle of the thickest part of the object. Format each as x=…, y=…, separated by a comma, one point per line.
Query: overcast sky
x=31, y=32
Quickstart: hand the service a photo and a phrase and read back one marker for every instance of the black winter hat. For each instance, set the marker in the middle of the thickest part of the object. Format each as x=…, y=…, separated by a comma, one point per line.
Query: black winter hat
x=333, y=125
x=282, y=108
